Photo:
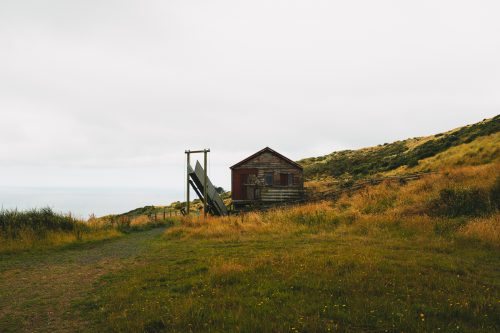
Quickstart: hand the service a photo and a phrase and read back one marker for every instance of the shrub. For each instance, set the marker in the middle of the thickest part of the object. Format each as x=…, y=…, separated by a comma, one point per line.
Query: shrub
x=495, y=194
x=454, y=202
x=413, y=162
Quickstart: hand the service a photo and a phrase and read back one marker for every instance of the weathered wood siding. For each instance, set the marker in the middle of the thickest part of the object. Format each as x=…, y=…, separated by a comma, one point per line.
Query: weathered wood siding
x=269, y=163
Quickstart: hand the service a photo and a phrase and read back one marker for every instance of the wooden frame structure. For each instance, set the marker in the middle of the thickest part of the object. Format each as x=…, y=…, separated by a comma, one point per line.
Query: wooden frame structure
x=203, y=187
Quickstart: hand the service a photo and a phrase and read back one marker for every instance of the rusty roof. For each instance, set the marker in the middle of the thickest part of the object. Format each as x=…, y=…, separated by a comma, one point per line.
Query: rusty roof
x=268, y=150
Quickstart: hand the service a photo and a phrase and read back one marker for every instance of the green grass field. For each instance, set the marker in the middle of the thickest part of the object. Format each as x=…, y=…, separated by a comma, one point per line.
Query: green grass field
x=38, y=288
x=315, y=280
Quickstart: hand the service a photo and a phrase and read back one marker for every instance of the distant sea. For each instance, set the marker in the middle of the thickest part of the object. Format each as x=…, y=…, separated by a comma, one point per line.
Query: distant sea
x=82, y=202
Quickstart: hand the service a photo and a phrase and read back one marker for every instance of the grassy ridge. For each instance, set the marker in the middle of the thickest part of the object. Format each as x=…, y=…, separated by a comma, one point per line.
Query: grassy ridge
x=483, y=150
x=408, y=153
x=390, y=258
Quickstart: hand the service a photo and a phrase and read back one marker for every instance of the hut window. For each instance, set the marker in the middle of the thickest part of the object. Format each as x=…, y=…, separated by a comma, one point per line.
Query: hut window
x=269, y=178
x=286, y=179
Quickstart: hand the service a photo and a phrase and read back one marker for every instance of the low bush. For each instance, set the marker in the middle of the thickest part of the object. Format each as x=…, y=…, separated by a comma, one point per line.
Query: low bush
x=454, y=202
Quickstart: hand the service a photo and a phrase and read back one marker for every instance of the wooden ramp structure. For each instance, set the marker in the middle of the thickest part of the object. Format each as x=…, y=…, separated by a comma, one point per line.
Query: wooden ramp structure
x=214, y=202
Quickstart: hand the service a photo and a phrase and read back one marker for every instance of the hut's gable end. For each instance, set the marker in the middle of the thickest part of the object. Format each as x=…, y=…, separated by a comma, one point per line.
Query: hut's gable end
x=267, y=162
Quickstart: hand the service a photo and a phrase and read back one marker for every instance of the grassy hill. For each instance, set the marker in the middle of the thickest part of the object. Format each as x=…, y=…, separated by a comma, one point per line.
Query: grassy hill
x=469, y=145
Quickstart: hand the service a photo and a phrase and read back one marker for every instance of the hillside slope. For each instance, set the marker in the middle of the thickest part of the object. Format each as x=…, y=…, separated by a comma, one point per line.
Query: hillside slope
x=469, y=145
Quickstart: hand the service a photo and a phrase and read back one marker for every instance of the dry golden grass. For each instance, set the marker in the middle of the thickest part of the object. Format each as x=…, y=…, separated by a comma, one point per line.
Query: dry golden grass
x=485, y=229
x=322, y=184
x=229, y=227
x=140, y=220
x=30, y=239
x=369, y=211
x=227, y=268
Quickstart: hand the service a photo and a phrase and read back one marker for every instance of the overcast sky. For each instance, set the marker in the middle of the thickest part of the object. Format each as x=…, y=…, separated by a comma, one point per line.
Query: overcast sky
x=110, y=93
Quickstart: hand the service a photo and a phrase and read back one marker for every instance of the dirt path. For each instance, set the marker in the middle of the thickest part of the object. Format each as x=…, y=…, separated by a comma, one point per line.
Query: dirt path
x=36, y=290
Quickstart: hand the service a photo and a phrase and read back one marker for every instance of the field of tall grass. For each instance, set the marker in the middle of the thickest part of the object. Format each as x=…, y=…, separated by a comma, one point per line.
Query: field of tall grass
x=459, y=202
x=43, y=228
x=415, y=257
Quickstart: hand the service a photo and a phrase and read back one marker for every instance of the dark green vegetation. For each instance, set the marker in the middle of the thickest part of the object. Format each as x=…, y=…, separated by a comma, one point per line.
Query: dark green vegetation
x=363, y=162
x=466, y=201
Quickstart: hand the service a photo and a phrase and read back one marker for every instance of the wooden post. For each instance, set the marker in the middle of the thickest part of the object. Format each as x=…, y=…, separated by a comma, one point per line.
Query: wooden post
x=205, y=181
x=187, y=181
x=164, y=216
x=205, y=184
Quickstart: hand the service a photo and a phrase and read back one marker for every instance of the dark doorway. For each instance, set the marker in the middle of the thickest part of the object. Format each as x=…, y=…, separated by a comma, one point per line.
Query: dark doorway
x=240, y=184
